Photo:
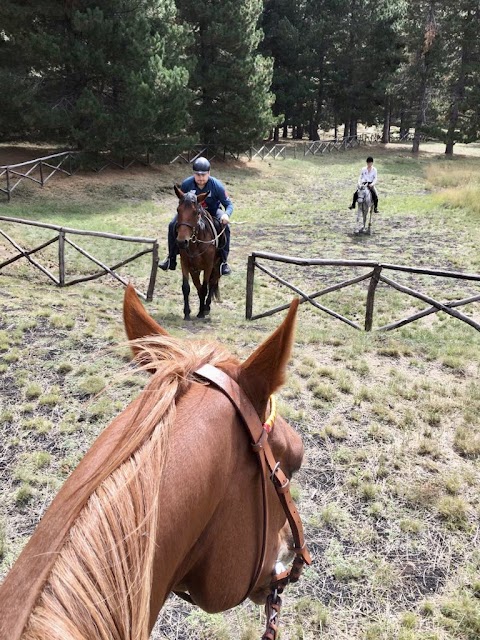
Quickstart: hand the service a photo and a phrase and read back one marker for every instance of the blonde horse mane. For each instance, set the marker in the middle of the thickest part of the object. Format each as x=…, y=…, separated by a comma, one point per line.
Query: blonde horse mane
x=100, y=583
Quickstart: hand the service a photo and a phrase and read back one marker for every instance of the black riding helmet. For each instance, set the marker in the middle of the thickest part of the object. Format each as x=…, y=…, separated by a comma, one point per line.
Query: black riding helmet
x=369, y=159
x=201, y=165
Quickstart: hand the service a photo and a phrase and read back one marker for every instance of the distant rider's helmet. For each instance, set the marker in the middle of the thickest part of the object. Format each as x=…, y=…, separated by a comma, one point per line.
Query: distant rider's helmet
x=201, y=165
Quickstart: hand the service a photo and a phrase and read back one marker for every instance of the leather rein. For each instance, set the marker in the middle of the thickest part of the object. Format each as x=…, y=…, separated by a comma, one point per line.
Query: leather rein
x=259, y=433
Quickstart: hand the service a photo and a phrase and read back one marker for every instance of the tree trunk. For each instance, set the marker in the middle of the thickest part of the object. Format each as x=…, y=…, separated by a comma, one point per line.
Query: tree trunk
x=285, y=130
x=386, y=121
x=313, y=130
x=276, y=134
x=299, y=132
x=404, y=126
x=430, y=35
x=458, y=94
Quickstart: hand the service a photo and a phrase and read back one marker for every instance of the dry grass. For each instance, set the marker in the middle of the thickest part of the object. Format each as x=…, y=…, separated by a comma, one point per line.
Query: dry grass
x=389, y=488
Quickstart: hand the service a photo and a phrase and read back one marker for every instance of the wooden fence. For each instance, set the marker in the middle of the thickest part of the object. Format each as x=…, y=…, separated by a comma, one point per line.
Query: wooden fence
x=39, y=171
x=60, y=236
x=276, y=151
x=375, y=274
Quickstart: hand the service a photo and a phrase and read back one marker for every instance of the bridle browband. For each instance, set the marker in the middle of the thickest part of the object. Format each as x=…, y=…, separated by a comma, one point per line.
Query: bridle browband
x=259, y=433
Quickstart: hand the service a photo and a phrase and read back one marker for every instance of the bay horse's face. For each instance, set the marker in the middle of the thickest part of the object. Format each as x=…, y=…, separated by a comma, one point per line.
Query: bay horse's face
x=189, y=212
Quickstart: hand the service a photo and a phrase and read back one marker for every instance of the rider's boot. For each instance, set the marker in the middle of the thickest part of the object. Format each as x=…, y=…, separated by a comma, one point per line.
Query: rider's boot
x=352, y=206
x=225, y=269
x=169, y=263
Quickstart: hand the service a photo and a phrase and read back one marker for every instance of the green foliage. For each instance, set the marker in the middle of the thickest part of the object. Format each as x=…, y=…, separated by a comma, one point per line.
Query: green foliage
x=95, y=77
x=230, y=79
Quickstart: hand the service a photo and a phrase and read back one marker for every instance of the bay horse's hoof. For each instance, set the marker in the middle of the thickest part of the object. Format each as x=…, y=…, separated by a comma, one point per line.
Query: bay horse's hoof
x=200, y=315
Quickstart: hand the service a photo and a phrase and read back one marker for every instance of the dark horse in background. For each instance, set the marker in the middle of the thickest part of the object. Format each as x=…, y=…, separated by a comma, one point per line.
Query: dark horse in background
x=198, y=243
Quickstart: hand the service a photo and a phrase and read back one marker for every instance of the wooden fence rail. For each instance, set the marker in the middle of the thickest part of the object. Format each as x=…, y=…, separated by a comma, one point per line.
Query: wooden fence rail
x=61, y=237
x=39, y=171
x=375, y=275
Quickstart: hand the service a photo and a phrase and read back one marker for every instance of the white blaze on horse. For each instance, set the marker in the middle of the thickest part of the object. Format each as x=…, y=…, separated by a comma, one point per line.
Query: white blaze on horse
x=364, y=209
x=187, y=490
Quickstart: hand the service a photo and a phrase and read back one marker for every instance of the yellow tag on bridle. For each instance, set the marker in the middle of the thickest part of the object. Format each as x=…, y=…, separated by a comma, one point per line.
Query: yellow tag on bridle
x=270, y=421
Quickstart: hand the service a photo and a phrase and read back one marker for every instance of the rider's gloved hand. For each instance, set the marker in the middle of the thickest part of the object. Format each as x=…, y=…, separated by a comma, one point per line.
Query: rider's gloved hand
x=225, y=219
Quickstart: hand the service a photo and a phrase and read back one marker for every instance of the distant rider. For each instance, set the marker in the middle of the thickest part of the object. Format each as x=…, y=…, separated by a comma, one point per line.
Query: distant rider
x=368, y=175
x=202, y=182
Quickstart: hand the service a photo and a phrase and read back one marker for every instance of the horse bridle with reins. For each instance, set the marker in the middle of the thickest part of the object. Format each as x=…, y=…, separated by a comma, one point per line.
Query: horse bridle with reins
x=201, y=212
x=259, y=433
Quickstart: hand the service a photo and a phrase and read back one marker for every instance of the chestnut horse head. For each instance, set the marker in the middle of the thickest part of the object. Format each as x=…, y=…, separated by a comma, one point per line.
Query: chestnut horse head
x=175, y=495
x=197, y=241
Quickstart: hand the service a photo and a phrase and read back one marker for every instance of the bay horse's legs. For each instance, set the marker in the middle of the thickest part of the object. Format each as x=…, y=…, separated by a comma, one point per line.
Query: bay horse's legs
x=186, y=293
x=201, y=290
x=212, y=286
x=185, y=290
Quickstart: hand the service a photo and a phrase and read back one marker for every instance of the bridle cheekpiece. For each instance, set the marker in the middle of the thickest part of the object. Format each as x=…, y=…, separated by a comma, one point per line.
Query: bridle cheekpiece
x=259, y=433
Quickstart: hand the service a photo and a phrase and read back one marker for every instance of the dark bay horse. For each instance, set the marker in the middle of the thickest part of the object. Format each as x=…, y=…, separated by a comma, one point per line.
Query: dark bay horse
x=197, y=241
x=174, y=495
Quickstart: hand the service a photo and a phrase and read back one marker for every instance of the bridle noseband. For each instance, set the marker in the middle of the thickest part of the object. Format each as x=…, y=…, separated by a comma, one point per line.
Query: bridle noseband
x=270, y=468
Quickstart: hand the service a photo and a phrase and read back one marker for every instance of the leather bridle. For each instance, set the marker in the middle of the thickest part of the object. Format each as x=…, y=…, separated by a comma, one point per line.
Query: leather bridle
x=201, y=213
x=259, y=433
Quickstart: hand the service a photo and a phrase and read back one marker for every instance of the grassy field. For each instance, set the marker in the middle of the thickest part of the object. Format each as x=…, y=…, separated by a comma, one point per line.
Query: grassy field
x=389, y=487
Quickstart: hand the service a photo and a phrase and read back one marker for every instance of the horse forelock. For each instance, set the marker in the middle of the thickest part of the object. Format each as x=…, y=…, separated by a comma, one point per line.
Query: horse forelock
x=190, y=197
x=124, y=502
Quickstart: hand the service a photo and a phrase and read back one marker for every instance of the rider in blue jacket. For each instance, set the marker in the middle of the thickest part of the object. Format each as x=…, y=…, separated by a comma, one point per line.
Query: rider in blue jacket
x=203, y=182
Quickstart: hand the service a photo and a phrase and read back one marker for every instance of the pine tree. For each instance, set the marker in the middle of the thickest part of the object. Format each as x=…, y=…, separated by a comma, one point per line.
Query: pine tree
x=100, y=78
x=459, y=119
x=229, y=78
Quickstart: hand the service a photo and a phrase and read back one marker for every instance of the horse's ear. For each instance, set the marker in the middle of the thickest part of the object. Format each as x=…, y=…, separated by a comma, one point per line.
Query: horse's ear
x=265, y=370
x=202, y=196
x=178, y=191
x=138, y=323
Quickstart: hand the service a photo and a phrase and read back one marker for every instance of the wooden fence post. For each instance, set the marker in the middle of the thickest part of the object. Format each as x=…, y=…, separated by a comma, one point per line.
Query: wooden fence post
x=249, y=296
x=41, y=174
x=153, y=273
x=371, y=297
x=8, y=185
x=61, y=258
